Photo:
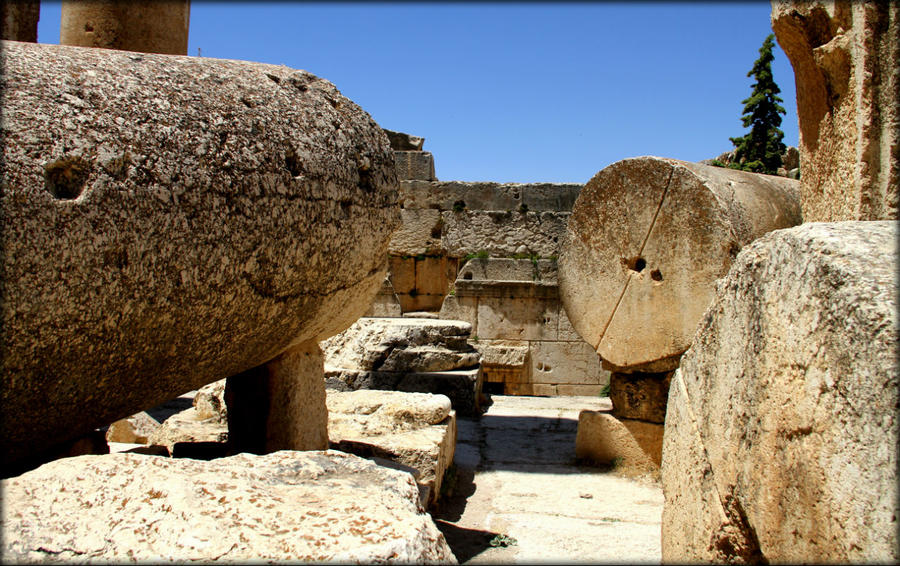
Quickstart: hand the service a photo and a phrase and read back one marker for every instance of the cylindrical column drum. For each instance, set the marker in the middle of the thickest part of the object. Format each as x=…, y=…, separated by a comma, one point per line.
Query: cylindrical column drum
x=645, y=243
x=148, y=26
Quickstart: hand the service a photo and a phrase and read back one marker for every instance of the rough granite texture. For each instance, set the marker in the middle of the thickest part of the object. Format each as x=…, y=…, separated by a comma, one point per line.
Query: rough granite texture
x=647, y=239
x=322, y=506
x=169, y=221
x=781, y=428
x=846, y=60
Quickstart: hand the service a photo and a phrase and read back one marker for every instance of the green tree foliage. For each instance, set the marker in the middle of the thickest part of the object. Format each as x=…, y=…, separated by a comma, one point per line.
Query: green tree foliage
x=760, y=150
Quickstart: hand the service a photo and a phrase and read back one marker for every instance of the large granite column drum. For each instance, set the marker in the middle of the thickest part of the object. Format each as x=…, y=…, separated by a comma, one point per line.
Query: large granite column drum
x=846, y=59
x=149, y=26
x=19, y=20
x=170, y=221
x=646, y=241
x=782, y=428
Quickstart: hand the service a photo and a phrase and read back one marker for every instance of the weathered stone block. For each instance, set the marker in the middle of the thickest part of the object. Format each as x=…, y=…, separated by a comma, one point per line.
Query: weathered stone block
x=640, y=395
x=322, y=506
x=280, y=405
x=147, y=26
x=415, y=165
x=604, y=440
x=504, y=318
x=503, y=233
x=459, y=195
x=136, y=159
x=781, y=430
x=413, y=429
x=566, y=362
x=419, y=232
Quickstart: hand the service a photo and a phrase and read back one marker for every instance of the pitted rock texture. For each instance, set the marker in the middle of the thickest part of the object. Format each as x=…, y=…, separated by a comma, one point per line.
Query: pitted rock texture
x=413, y=429
x=403, y=345
x=322, y=506
x=169, y=221
x=846, y=60
x=647, y=239
x=781, y=428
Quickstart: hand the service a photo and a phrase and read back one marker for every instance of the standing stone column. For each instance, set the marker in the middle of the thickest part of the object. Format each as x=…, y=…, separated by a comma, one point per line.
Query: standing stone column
x=20, y=19
x=279, y=405
x=148, y=26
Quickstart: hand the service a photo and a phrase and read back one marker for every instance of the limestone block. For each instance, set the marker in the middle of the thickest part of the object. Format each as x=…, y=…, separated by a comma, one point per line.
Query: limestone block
x=150, y=26
x=649, y=437
x=566, y=362
x=508, y=269
x=401, y=141
x=279, y=405
x=455, y=307
x=403, y=345
x=386, y=303
x=462, y=387
x=781, y=427
x=458, y=195
x=415, y=165
x=566, y=331
x=511, y=353
x=503, y=233
x=647, y=239
x=604, y=440
x=506, y=318
x=434, y=275
x=640, y=395
x=323, y=506
x=846, y=60
x=209, y=401
x=190, y=426
x=135, y=429
x=413, y=429
x=123, y=286
x=419, y=232
x=20, y=20
x=403, y=273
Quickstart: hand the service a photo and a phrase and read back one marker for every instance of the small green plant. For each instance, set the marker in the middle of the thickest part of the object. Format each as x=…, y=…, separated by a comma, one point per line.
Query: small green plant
x=459, y=206
x=481, y=254
x=523, y=208
x=474, y=338
x=503, y=540
x=604, y=391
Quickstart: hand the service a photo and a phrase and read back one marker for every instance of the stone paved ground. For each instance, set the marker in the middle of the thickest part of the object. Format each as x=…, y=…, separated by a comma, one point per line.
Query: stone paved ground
x=517, y=476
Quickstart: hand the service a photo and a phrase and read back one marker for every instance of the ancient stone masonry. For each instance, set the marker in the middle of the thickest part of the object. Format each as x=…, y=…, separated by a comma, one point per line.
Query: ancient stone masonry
x=148, y=26
x=123, y=284
x=484, y=253
x=782, y=427
x=846, y=59
x=527, y=344
x=423, y=355
x=647, y=239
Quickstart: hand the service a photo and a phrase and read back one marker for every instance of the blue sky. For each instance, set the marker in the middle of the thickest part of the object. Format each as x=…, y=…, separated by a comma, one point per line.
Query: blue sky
x=516, y=92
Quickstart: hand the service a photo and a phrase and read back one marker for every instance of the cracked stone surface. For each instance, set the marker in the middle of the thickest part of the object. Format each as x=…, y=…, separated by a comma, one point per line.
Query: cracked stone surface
x=170, y=221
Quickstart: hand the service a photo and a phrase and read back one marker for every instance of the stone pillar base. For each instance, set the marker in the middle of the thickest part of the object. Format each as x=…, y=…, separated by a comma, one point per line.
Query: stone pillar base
x=631, y=447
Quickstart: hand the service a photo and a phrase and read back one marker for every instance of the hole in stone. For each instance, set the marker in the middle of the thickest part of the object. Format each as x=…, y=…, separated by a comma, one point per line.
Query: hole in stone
x=292, y=163
x=65, y=178
x=656, y=275
x=467, y=276
x=88, y=28
x=436, y=232
x=635, y=264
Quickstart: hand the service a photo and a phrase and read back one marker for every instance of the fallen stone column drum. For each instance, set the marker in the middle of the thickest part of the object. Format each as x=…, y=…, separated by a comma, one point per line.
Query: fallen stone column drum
x=170, y=221
x=647, y=239
x=151, y=26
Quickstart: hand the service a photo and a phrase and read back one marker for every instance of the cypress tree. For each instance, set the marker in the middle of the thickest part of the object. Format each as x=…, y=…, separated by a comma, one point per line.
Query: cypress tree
x=760, y=150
